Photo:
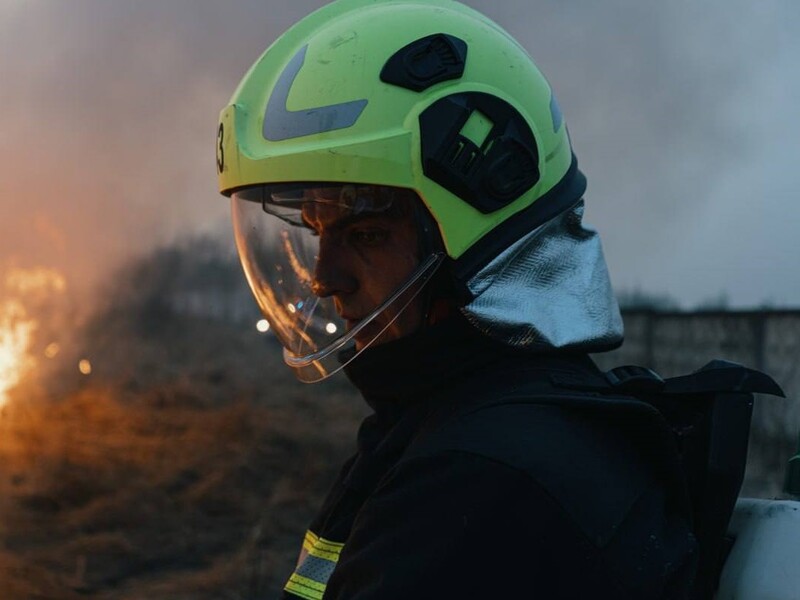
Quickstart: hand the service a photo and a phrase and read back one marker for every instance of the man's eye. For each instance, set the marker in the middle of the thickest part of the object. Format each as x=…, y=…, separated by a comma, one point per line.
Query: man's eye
x=368, y=237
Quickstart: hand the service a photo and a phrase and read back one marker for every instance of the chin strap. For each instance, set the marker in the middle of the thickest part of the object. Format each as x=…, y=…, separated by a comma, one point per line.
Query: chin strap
x=439, y=299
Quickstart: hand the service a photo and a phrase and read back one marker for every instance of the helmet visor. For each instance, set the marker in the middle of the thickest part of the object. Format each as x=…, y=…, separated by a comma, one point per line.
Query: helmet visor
x=334, y=268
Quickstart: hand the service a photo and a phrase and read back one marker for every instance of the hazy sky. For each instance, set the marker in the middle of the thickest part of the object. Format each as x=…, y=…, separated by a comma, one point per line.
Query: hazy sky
x=684, y=115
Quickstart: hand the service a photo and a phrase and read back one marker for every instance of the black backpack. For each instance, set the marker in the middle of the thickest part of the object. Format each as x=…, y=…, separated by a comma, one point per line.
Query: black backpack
x=709, y=413
x=695, y=426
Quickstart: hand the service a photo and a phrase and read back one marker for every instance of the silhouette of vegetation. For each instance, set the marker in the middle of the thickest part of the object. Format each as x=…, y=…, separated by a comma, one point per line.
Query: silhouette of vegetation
x=187, y=465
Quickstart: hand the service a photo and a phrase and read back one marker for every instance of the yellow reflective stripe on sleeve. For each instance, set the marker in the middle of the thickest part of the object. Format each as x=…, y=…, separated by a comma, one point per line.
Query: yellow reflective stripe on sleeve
x=326, y=554
x=304, y=587
x=308, y=542
x=312, y=540
x=321, y=548
x=311, y=576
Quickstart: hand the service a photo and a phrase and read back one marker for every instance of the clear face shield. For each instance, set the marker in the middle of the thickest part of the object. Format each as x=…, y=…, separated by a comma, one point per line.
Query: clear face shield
x=335, y=268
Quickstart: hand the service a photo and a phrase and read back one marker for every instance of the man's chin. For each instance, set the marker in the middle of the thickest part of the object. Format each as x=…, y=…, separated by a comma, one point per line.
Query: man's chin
x=372, y=335
x=381, y=330
x=369, y=336
x=376, y=334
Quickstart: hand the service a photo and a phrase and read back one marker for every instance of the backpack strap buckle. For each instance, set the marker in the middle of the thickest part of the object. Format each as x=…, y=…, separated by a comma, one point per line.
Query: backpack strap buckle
x=724, y=376
x=634, y=379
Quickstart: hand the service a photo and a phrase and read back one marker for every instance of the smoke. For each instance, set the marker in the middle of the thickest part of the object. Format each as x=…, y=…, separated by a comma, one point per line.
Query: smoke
x=682, y=114
x=108, y=124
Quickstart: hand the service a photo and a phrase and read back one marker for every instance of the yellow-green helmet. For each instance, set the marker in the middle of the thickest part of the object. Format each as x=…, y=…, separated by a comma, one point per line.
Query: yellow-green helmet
x=428, y=95
x=366, y=97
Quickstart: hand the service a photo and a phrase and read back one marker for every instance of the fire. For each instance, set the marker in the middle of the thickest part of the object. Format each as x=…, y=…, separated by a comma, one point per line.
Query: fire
x=38, y=280
x=17, y=325
x=16, y=331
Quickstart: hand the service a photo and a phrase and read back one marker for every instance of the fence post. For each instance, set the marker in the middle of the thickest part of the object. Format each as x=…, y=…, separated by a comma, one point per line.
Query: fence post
x=649, y=341
x=759, y=324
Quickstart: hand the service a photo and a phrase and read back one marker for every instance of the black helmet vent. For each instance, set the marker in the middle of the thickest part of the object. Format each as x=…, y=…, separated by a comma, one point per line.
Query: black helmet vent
x=425, y=62
x=480, y=148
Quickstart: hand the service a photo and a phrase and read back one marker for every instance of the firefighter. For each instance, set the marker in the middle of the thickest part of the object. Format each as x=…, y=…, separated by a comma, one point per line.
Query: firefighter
x=407, y=207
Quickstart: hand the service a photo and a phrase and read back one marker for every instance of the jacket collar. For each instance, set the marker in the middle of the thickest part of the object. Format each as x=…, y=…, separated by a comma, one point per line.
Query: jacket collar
x=412, y=368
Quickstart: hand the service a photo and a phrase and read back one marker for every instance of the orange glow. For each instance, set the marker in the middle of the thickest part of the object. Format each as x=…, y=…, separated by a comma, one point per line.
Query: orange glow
x=16, y=330
x=37, y=280
x=85, y=367
x=17, y=326
x=303, y=276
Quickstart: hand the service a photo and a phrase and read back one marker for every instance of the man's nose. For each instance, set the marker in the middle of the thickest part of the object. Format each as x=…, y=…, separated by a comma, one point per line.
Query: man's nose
x=333, y=274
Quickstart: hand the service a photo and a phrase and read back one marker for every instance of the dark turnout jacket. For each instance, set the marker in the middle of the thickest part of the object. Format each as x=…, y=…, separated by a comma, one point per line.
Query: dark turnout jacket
x=484, y=474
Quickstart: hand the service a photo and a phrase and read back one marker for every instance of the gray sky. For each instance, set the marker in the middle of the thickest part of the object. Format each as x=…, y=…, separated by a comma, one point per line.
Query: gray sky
x=683, y=115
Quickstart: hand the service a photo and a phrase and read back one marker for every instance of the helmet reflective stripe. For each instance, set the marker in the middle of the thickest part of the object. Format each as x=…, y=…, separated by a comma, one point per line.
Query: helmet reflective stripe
x=555, y=113
x=280, y=123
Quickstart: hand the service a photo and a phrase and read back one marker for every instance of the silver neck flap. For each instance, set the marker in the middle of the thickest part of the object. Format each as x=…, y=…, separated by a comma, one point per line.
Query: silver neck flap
x=549, y=290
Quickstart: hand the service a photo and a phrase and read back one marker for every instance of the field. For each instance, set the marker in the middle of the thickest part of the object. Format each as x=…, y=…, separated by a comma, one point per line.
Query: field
x=186, y=466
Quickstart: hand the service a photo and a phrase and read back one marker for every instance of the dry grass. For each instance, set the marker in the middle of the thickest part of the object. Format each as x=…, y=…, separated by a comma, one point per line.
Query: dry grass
x=173, y=481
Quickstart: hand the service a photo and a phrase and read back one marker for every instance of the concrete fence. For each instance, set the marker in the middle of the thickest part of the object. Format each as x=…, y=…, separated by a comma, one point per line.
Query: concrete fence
x=671, y=343
x=674, y=343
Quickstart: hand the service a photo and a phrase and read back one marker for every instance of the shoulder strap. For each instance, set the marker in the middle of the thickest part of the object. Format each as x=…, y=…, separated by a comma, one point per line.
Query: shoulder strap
x=520, y=403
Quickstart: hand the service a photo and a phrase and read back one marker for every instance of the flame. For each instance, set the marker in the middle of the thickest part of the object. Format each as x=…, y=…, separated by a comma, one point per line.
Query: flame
x=16, y=332
x=37, y=280
x=17, y=325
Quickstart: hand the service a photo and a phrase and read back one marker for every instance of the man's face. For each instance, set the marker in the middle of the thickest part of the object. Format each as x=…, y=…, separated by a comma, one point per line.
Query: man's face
x=362, y=260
